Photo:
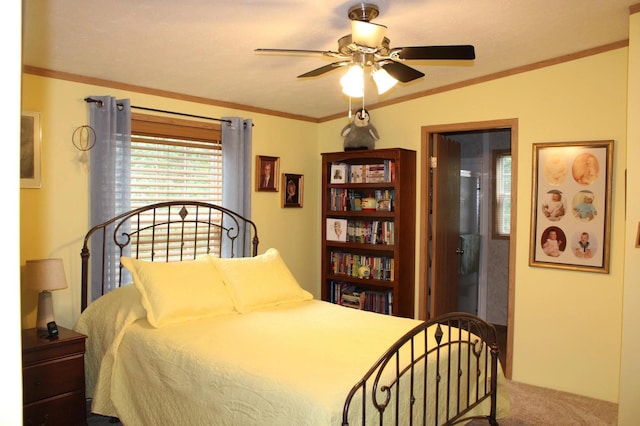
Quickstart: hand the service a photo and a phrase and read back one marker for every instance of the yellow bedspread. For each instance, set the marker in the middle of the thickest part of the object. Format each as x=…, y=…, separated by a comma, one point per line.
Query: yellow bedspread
x=288, y=365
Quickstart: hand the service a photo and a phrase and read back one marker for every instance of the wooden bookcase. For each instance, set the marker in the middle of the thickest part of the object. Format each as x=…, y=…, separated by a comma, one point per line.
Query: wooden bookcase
x=381, y=236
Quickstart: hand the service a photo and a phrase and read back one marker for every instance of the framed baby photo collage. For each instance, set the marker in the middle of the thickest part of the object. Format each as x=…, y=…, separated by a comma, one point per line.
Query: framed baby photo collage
x=571, y=205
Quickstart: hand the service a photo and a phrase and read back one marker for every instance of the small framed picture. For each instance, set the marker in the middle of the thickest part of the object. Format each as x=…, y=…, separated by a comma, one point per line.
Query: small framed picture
x=338, y=173
x=638, y=237
x=384, y=204
x=337, y=229
x=266, y=173
x=293, y=190
x=30, y=150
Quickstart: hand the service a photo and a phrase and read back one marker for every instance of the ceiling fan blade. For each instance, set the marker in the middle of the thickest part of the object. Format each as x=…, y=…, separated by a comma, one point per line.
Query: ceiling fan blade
x=367, y=34
x=401, y=72
x=324, y=69
x=301, y=52
x=436, y=52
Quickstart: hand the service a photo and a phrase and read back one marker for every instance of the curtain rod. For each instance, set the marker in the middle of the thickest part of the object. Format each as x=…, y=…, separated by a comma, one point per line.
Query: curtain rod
x=99, y=102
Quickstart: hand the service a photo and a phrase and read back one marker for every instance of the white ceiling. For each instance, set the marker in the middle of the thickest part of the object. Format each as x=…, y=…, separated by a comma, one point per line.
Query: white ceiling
x=206, y=48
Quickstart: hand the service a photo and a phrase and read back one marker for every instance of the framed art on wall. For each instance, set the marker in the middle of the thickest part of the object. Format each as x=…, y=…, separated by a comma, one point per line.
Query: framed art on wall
x=266, y=173
x=293, y=189
x=571, y=205
x=30, y=141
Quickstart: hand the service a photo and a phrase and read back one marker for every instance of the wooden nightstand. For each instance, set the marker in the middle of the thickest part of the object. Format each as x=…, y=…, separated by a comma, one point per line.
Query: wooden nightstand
x=53, y=378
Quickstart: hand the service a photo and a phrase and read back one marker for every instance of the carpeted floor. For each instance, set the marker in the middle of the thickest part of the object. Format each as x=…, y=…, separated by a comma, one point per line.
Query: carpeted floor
x=537, y=406
x=530, y=406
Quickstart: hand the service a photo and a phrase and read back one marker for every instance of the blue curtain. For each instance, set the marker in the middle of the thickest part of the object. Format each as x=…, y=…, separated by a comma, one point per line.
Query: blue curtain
x=236, y=175
x=109, y=177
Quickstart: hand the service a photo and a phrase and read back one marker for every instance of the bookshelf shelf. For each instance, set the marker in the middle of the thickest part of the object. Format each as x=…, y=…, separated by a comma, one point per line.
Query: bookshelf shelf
x=362, y=247
x=368, y=229
x=378, y=214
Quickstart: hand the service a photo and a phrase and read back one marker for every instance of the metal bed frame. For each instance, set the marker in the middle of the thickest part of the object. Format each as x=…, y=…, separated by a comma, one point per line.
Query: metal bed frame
x=476, y=351
x=183, y=230
x=167, y=231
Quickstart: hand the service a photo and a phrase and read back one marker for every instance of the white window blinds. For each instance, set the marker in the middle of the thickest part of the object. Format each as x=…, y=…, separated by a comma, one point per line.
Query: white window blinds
x=502, y=194
x=174, y=159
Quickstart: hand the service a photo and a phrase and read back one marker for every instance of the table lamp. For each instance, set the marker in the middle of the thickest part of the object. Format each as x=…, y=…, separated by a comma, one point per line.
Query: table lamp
x=45, y=275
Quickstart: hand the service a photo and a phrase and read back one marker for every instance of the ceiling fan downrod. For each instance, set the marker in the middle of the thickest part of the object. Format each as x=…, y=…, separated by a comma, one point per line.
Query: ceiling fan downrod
x=363, y=12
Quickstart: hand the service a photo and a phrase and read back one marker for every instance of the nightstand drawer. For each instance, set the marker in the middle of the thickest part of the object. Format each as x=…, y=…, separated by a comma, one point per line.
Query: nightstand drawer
x=52, y=378
x=63, y=410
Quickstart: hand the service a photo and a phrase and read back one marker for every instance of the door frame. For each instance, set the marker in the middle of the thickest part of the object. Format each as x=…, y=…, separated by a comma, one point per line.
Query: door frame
x=426, y=134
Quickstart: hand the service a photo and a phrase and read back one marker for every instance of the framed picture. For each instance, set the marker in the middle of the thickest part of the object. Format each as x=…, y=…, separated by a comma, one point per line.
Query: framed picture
x=267, y=170
x=338, y=173
x=30, y=141
x=638, y=237
x=293, y=190
x=571, y=205
x=336, y=229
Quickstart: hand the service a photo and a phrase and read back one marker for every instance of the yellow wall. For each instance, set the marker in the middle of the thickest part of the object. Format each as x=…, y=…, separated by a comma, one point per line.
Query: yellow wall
x=54, y=218
x=567, y=324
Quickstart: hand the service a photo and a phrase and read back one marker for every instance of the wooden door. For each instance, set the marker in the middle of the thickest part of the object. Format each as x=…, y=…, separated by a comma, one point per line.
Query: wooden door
x=445, y=226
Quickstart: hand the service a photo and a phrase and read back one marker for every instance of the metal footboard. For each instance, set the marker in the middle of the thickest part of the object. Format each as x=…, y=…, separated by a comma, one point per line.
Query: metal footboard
x=442, y=372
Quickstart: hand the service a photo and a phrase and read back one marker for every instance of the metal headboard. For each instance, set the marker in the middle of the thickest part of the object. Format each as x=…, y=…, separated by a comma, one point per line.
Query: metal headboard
x=162, y=232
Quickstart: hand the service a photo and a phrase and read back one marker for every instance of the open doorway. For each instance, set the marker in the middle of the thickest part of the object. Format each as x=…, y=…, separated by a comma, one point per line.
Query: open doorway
x=483, y=289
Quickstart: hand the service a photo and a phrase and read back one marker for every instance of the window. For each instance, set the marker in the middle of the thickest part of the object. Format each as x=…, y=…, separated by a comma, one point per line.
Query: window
x=501, y=211
x=174, y=159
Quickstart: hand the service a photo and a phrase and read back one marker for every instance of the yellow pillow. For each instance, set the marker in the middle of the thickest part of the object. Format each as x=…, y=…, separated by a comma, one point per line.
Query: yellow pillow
x=172, y=292
x=260, y=281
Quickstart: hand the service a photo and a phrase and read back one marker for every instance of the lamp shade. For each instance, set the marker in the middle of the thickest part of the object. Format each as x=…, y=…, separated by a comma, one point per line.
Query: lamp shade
x=383, y=80
x=367, y=34
x=353, y=82
x=45, y=275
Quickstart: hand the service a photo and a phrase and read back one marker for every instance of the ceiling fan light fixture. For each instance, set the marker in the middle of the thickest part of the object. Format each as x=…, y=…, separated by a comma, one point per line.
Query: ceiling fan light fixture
x=353, y=82
x=367, y=34
x=384, y=81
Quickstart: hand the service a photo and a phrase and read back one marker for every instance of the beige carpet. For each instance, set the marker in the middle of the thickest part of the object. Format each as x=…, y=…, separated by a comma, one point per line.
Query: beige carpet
x=530, y=406
x=533, y=405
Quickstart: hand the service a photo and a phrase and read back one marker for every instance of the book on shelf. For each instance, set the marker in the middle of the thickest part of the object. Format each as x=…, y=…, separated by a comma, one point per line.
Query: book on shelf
x=355, y=201
x=375, y=173
x=357, y=297
x=356, y=173
x=370, y=231
x=343, y=199
x=363, y=173
x=347, y=264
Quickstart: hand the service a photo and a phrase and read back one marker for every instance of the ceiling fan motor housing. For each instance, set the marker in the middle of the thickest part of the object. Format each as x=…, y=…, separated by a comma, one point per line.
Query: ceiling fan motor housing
x=346, y=46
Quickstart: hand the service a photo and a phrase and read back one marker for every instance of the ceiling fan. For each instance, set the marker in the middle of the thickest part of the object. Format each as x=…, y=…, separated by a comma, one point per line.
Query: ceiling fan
x=367, y=46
